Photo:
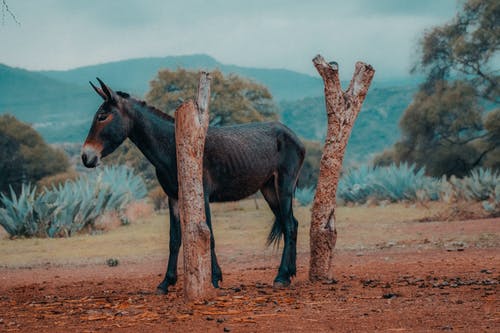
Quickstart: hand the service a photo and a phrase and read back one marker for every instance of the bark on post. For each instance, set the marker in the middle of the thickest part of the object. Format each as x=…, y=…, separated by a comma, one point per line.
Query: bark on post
x=191, y=123
x=342, y=108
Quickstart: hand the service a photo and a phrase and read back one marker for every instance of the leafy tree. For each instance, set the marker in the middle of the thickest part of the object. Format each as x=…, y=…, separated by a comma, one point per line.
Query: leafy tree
x=25, y=157
x=465, y=48
x=444, y=128
x=491, y=143
x=233, y=99
x=439, y=129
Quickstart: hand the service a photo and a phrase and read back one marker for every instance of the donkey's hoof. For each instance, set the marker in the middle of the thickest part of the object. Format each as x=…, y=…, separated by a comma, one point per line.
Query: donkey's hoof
x=161, y=291
x=216, y=283
x=216, y=280
x=281, y=284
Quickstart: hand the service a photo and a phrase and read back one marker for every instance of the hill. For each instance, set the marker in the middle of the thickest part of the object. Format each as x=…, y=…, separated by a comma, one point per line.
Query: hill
x=133, y=75
x=59, y=111
x=376, y=128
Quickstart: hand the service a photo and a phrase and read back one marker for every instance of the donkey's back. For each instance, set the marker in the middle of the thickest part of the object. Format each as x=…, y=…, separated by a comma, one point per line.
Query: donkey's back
x=241, y=159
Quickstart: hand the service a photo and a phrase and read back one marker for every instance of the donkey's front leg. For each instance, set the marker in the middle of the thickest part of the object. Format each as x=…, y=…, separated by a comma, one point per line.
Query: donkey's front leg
x=175, y=244
x=216, y=271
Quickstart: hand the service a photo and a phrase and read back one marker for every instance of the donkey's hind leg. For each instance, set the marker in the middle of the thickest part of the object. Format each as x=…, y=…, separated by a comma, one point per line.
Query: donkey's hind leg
x=216, y=271
x=269, y=193
x=175, y=244
x=288, y=172
x=289, y=225
x=279, y=196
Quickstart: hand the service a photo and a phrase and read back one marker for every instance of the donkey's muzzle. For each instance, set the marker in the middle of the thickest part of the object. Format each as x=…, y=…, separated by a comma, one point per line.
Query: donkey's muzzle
x=89, y=157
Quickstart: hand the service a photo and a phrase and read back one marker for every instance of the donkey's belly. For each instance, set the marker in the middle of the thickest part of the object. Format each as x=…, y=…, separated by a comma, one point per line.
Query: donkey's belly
x=237, y=188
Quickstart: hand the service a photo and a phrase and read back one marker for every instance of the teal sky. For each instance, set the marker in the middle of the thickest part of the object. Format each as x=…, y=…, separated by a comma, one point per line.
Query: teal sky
x=57, y=34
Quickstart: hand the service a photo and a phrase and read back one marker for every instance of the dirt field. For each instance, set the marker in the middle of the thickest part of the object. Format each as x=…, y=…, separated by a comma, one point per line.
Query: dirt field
x=392, y=274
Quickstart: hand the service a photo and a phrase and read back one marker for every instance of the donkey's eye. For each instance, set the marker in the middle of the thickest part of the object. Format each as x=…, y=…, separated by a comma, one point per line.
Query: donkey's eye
x=102, y=116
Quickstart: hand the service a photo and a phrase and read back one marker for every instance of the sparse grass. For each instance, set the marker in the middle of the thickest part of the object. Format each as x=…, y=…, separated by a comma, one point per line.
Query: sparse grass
x=240, y=229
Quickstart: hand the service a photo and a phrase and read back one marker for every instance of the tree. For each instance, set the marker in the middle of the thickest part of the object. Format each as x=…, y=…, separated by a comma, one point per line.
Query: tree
x=190, y=132
x=444, y=129
x=491, y=142
x=439, y=130
x=6, y=10
x=466, y=48
x=25, y=157
x=234, y=100
x=342, y=109
x=10, y=160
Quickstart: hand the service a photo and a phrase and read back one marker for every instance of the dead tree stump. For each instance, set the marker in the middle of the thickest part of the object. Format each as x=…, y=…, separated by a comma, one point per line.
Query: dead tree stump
x=342, y=108
x=191, y=123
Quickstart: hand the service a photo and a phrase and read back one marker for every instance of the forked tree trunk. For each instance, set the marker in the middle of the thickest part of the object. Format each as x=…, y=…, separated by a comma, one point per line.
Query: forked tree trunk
x=342, y=108
x=191, y=123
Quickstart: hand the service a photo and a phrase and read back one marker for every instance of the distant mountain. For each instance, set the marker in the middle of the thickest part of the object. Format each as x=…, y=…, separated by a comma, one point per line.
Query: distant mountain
x=134, y=75
x=58, y=110
x=376, y=128
x=60, y=104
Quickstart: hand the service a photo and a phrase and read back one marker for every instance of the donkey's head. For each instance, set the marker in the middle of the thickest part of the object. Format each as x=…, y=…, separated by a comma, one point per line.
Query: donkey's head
x=110, y=127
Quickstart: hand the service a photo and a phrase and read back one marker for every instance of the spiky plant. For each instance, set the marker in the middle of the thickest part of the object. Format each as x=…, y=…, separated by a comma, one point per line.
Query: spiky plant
x=67, y=208
x=393, y=183
x=17, y=216
x=479, y=185
x=304, y=195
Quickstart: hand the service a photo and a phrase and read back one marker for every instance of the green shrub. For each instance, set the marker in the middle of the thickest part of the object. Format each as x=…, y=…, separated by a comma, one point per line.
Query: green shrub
x=65, y=209
x=24, y=156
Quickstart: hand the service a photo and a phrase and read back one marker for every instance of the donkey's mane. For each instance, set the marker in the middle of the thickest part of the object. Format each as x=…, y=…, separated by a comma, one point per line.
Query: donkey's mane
x=149, y=108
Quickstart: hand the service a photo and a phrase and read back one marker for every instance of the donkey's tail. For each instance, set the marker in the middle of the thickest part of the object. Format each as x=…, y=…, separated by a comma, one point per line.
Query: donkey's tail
x=275, y=234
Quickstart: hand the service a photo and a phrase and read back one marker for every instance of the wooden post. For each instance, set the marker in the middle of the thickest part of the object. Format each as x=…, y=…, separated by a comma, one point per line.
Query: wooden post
x=342, y=108
x=191, y=123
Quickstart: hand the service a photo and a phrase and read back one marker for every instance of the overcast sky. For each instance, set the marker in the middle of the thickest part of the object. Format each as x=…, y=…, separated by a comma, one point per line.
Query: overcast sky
x=58, y=34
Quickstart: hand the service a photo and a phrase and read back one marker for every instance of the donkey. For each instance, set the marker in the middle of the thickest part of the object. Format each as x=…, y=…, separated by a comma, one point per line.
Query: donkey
x=238, y=161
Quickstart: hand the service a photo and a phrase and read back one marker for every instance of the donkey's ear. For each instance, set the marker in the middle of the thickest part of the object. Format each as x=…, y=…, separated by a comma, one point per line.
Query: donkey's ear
x=110, y=94
x=99, y=91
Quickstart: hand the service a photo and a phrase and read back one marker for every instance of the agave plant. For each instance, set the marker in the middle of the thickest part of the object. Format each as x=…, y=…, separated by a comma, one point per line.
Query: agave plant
x=355, y=185
x=479, y=185
x=304, y=195
x=405, y=182
x=17, y=216
x=125, y=181
x=393, y=183
x=67, y=208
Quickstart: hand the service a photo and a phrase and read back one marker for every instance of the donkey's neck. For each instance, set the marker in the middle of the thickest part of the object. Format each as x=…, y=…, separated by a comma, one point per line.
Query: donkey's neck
x=154, y=136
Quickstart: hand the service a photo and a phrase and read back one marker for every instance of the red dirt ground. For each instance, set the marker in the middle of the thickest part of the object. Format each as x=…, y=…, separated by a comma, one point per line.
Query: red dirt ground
x=397, y=289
